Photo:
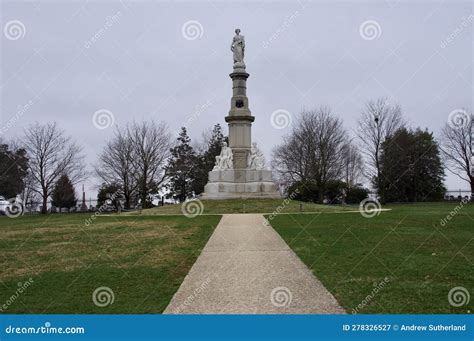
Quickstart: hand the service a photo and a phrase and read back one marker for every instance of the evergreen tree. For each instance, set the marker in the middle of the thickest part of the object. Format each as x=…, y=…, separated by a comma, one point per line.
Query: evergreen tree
x=111, y=192
x=64, y=194
x=181, y=167
x=411, y=167
x=206, y=160
x=13, y=169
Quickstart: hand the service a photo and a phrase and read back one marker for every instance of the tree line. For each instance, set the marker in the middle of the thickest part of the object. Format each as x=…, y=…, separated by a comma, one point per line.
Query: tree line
x=139, y=160
x=320, y=159
x=317, y=156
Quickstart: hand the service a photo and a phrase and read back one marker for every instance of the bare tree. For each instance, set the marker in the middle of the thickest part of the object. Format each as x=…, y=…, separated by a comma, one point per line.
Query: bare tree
x=353, y=164
x=379, y=120
x=116, y=166
x=51, y=154
x=151, y=143
x=313, y=151
x=29, y=196
x=457, y=149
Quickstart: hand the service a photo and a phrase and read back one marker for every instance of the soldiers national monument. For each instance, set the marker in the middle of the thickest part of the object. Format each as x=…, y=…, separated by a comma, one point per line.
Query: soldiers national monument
x=240, y=170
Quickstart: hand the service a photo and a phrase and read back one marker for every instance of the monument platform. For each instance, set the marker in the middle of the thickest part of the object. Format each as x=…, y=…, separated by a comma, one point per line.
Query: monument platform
x=240, y=183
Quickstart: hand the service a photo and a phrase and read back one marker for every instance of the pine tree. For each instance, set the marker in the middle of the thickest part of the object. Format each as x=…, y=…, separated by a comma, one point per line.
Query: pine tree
x=13, y=170
x=182, y=167
x=205, y=161
x=411, y=167
x=64, y=194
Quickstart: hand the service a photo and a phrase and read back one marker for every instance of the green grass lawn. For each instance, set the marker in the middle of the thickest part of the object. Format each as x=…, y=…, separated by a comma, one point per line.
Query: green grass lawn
x=250, y=206
x=143, y=259
x=421, y=259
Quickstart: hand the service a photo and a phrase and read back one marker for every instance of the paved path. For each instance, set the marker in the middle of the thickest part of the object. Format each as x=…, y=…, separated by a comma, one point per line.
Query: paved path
x=247, y=268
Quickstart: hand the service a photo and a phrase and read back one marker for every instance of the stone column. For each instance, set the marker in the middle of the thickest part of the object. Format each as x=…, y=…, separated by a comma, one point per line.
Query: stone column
x=240, y=118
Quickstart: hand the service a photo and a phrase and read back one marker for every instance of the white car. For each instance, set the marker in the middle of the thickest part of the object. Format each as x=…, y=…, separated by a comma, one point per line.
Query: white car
x=4, y=205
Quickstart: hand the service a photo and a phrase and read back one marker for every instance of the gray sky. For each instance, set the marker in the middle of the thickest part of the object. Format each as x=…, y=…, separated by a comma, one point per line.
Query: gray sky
x=170, y=61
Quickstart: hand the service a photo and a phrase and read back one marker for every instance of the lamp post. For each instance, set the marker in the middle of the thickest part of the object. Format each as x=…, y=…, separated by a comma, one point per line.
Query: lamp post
x=377, y=149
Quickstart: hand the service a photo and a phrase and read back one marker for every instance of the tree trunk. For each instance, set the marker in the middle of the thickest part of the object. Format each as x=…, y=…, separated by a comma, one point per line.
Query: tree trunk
x=472, y=187
x=44, y=208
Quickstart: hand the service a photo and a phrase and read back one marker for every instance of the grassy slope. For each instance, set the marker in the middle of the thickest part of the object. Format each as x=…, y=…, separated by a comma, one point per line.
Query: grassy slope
x=142, y=259
x=422, y=259
x=249, y=206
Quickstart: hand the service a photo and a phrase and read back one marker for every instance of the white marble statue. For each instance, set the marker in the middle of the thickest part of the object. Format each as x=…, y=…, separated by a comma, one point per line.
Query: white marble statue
x=238, y=47
x=225, y=159
x=256, y=160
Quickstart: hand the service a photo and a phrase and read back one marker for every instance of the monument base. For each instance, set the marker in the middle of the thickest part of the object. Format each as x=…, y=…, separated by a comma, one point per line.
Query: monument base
x=240, y=183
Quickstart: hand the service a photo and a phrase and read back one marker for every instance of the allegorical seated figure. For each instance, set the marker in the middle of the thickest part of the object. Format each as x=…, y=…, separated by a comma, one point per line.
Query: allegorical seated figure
x=256, y=160
x=225, y=159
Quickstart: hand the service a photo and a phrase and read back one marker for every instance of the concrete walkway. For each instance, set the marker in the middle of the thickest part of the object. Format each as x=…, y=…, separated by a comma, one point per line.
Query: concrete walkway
x=246, y=268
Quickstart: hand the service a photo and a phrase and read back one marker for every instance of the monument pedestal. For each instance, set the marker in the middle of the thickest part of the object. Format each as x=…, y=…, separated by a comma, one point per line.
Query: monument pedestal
x=240, y=183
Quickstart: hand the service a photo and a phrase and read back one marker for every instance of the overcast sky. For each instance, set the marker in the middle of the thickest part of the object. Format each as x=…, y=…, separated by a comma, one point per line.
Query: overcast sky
x=170, y=61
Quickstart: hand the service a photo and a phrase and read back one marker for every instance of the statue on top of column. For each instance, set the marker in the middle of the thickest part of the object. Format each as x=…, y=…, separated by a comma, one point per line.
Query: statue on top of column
x=238, y=48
